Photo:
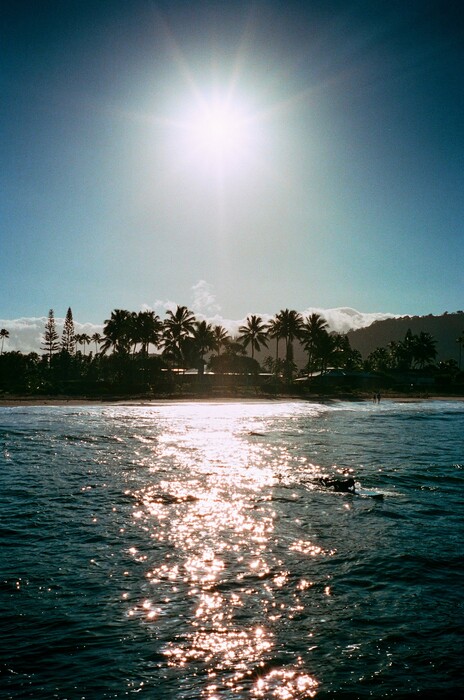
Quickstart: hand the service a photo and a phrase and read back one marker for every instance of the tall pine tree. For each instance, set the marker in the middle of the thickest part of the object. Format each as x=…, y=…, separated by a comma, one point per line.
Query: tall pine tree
x=68, y=342
x=50, y=339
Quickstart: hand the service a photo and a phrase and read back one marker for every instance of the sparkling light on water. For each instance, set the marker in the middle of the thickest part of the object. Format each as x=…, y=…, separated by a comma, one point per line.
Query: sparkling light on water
x=208, y=510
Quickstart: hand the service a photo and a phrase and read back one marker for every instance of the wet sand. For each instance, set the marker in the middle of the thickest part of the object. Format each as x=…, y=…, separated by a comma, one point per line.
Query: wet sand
x=146, y=401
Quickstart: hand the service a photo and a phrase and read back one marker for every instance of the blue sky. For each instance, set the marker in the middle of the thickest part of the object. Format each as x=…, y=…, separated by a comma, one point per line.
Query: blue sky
x=341, y=186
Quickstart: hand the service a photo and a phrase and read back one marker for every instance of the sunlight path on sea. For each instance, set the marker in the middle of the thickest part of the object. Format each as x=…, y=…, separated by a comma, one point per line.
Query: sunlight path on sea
x=219, y=575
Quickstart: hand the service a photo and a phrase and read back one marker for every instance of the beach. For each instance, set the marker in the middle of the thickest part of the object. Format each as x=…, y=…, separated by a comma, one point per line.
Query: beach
x=142, y=401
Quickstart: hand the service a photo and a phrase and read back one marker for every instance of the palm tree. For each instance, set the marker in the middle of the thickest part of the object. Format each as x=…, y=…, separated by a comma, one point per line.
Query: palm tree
x=343, y=354
x=326, y=350
x=311, y=330
x=97, y=339
x=178, y=326
x=274, y=330
x=379, y=360
x=253, y=333
x=3, y=334
x=204, y=336
x=146, y=330
x=220, y=338
x=204, y=340
x=424, y=349
x=291, y=325
x=117, y=332
x=292, y=322
x=83, y=339
x=413, y=350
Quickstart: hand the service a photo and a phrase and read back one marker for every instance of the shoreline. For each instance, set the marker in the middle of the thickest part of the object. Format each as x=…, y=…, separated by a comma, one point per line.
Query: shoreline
x=13, y=401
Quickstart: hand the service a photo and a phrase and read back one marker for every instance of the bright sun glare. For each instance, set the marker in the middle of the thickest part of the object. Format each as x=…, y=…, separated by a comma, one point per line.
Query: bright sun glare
x=218, y=132
x=218, y=128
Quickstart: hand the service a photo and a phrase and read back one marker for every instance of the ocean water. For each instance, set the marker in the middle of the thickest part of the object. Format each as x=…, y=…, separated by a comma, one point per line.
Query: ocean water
x=186, y=551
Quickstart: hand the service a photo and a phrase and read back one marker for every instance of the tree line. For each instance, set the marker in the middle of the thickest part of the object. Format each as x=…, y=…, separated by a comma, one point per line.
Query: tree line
x=121, y=357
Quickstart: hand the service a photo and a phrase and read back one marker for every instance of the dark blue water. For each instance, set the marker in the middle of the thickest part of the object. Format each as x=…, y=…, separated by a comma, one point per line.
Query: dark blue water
x=185, y=551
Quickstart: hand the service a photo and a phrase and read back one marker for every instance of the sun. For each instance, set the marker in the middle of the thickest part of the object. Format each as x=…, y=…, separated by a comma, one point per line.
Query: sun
x=219, y=128
x=217, y=132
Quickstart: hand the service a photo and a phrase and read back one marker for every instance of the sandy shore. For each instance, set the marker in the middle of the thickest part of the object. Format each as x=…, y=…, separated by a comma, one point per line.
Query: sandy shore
x=146, y=401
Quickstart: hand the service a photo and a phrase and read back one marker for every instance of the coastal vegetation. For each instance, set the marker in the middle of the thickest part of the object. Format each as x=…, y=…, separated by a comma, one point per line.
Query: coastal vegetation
x=141, y=354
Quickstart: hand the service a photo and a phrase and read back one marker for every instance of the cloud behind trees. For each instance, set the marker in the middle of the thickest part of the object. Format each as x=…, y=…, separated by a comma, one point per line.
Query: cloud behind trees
x=26, y=334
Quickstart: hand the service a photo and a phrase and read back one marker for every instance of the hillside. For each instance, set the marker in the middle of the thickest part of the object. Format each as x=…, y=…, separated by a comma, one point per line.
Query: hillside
x=445, y=329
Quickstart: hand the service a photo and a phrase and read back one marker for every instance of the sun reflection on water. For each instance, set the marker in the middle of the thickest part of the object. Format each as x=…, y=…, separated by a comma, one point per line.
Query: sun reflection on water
x=285, y=685
x=208, y=513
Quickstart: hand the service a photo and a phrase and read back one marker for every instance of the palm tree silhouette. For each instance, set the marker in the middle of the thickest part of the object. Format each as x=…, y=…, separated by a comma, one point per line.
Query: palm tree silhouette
x=117, y=332
x=424, y=349
x=291, y=323
x=146, y=330
x=274, y=330
x=311, y=330
x=203, y=334
x=97, y=339
x=413, y=350
x=220, y=338
x=253, y=333
x=326, y=350
x=204, y=341
x=83, y=339
x=178, y=326
x=379, y=359
x=3, y=334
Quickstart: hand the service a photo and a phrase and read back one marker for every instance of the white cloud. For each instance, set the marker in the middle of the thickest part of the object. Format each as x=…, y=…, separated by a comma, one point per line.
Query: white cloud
x=26, y=334
x=204, y=300
x=345, y=319
x=160, y=307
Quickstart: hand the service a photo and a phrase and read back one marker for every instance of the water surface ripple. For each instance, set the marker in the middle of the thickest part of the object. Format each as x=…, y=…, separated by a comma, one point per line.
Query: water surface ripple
x=186, y=551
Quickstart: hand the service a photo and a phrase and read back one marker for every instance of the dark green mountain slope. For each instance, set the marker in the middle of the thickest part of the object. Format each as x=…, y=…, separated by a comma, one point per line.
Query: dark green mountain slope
x=445, y=329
